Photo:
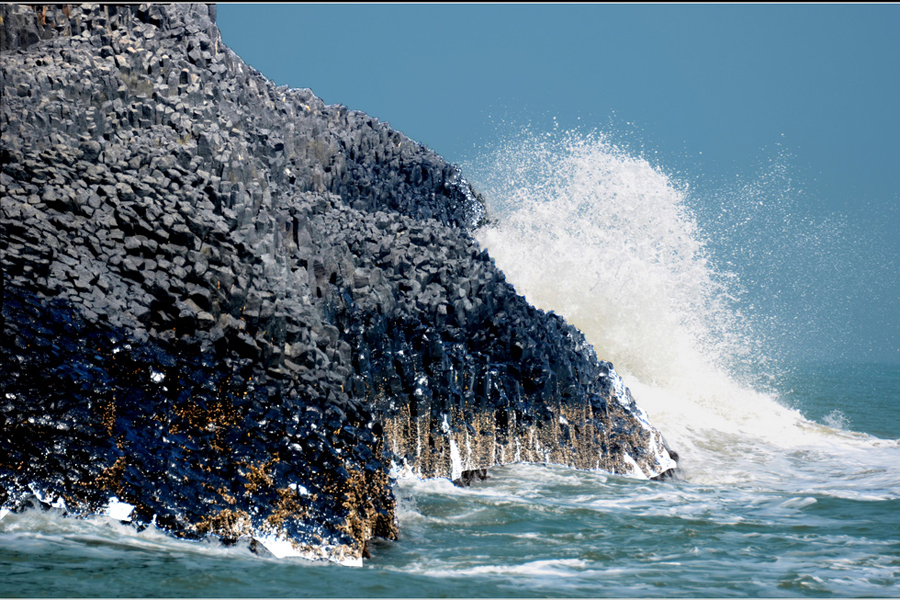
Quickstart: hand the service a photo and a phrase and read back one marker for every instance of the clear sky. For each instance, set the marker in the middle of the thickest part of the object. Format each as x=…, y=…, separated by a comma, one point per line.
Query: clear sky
x=713, y=93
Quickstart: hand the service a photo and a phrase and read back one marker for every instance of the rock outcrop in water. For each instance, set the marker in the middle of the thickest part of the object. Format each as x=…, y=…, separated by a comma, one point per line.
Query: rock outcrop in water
x=229, y=309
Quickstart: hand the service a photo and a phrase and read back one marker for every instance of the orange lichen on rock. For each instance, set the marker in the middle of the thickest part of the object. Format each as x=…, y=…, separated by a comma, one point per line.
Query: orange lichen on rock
x=111, y=477
x=228, y=524
x=256, y=475
x=364, y=521
x=288, y=506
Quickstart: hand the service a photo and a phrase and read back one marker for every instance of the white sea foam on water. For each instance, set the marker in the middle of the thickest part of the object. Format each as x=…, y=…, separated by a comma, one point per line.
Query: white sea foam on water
x=109, y=535
x=836, y=420
x=100, y=531
x=579, y=530
x=553, y=569
x=118, y=510
x=281, y=548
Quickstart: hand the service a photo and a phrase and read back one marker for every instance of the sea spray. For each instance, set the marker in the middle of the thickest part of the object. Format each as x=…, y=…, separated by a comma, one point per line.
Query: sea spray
x=612, y=243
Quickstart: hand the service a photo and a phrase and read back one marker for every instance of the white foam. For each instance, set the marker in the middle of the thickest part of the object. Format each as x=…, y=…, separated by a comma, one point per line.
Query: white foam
x=455, y=461
x=560, y=568
x=280, y=548
x=300, y=489
x=608, y=241
x=118, y=510
x=564, y=567
x=636, y=471
x=37, y=493
x=798, y=502
x=836, y=420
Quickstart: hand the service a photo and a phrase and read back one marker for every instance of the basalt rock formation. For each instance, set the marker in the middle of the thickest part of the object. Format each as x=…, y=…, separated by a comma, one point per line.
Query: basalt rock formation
x=229, y=309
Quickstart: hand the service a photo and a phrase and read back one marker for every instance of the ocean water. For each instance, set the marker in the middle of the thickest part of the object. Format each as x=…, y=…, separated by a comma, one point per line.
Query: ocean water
x=790, y=482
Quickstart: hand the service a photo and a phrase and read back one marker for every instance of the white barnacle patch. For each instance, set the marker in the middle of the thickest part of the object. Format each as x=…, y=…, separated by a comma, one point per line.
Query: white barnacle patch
x=156, y=376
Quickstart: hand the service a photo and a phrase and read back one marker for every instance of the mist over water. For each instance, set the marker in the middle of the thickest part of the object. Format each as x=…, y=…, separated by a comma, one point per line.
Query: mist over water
x=818, y=285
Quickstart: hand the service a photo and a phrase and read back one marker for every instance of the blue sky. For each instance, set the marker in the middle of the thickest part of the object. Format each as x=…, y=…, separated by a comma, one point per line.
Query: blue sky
x=710, y=93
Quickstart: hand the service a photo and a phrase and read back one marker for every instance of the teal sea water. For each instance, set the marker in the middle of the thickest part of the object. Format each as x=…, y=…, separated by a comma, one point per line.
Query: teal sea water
x=826, y=527
x=790, y=480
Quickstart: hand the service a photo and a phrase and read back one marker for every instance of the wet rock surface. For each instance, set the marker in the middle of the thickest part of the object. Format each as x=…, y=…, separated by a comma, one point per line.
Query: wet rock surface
x=235, y=308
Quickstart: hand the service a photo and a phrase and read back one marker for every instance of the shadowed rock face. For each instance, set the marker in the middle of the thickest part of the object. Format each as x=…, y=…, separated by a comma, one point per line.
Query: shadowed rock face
x=234, y=308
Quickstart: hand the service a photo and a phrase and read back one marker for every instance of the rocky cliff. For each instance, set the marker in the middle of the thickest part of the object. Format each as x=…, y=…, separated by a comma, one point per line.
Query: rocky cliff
x=229, y=309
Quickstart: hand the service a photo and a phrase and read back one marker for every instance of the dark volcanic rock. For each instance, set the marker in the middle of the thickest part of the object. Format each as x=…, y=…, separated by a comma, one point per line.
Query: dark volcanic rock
x=235, y=309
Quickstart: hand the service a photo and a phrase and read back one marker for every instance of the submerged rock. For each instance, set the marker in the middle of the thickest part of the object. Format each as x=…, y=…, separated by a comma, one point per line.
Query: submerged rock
x=229, y=309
